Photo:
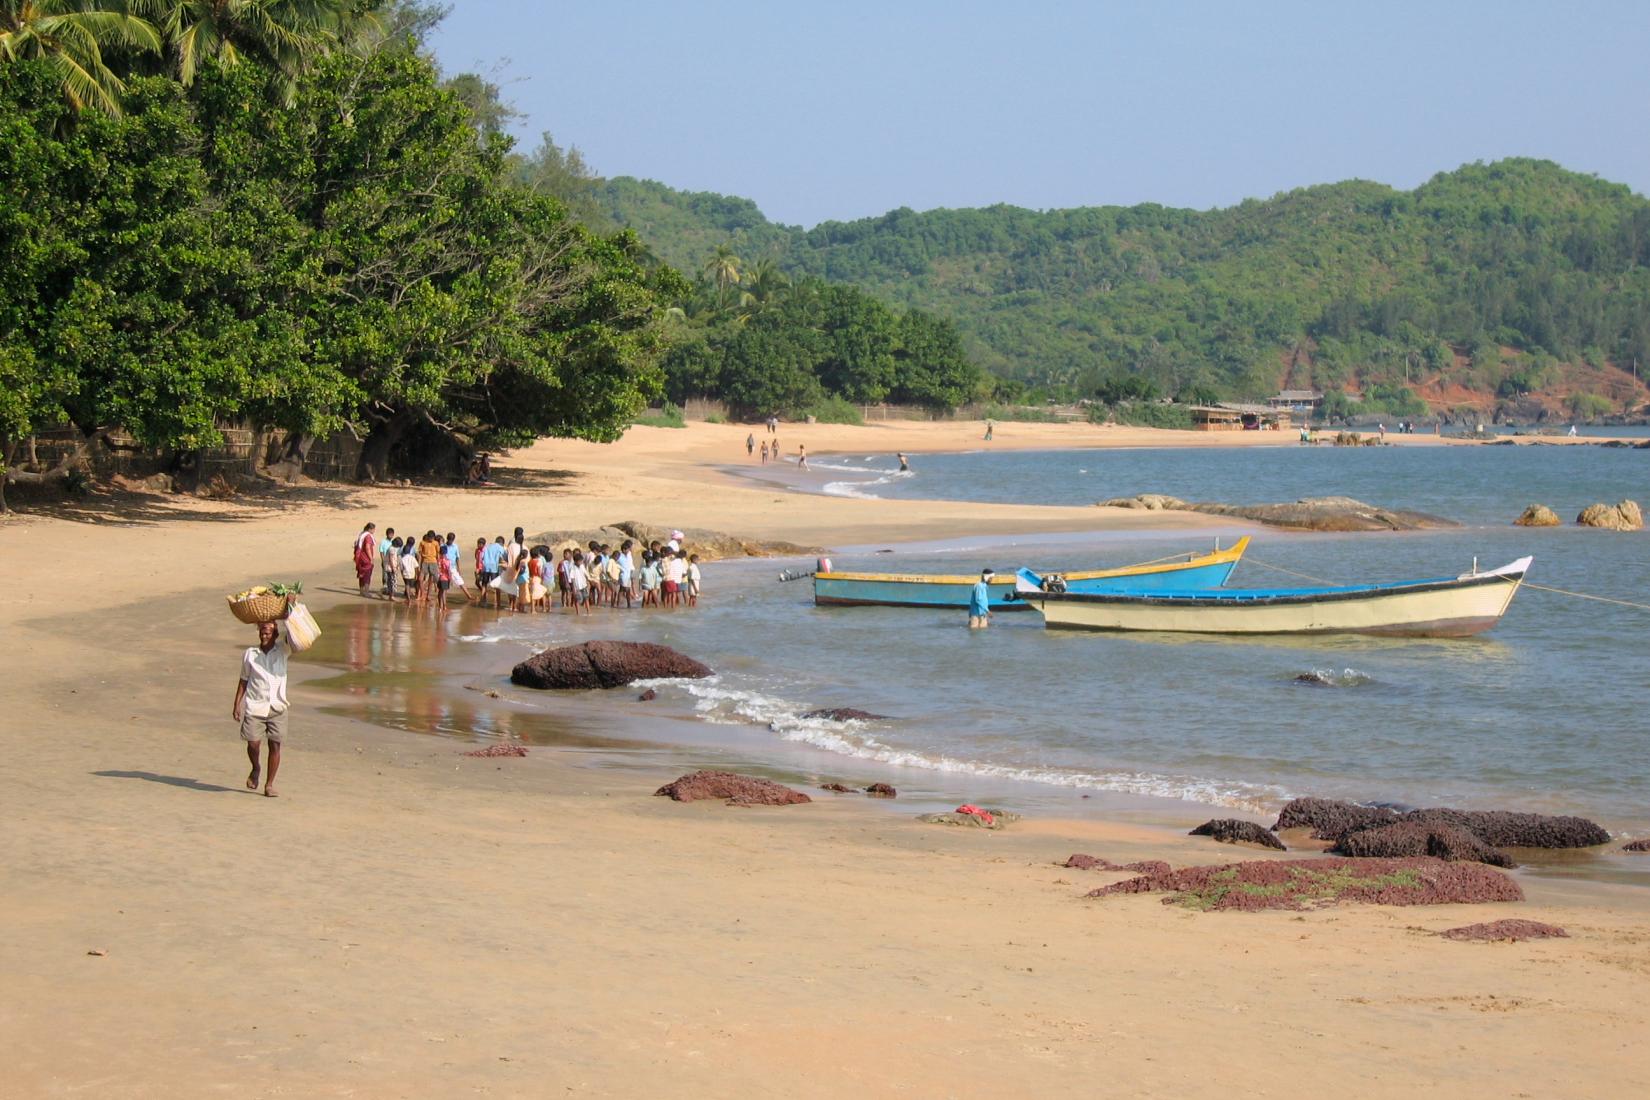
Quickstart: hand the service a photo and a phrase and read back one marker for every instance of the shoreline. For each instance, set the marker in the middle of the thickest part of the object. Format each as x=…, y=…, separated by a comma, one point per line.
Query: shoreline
x=407, y=921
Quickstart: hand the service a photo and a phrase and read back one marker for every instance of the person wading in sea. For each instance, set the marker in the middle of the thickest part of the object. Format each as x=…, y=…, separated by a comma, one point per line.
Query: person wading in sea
x=979, y=602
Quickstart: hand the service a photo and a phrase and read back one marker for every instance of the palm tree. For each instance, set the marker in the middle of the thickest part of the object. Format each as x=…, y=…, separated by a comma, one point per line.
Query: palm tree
x=69, y=36
x=283, y=34
x=723, y=269
x=766, y=283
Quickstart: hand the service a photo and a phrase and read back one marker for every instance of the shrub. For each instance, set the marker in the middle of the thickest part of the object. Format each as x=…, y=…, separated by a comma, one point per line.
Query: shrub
x=832, y=410
x=1149, y=415
x=670, y=416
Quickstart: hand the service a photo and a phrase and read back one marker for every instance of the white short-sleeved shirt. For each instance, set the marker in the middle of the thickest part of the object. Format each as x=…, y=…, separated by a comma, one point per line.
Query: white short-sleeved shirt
x=265, y=676
x=675, y=570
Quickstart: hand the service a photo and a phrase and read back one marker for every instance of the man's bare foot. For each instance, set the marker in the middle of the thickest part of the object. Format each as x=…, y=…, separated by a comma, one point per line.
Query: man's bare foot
x=271, y=792
x=252, y=780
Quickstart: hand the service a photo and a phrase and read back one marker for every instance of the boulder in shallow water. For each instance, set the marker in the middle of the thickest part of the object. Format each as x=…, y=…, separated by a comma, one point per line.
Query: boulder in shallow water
x=1330, y=819
x=1419, y=838
x=1512, y=830
x=1232, y=830
x=1637, y=845
x=881, y=790
x=743, y=790
x=604, y=665
x=1538, y=515
x=1505, y=931
x=1313, y=883
x=1625, y=516
x=647, y=696
x=838, y=788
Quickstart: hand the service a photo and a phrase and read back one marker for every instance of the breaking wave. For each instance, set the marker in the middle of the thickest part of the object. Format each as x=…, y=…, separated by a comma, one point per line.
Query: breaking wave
x=716, y=702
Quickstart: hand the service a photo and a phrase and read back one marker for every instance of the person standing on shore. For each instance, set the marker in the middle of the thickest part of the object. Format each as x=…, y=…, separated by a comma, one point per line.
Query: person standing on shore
x=261, y=705
x=989, y=425
x=390, y=563
x=801, y=457
x=366, y=549
x=979, y=602
x=750, y=444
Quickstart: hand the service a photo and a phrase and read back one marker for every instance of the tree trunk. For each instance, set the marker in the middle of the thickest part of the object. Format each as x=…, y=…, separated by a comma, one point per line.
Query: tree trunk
x=373, y=465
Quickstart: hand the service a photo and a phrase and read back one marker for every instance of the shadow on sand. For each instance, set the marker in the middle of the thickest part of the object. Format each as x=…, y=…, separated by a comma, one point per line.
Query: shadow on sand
x=169, y=780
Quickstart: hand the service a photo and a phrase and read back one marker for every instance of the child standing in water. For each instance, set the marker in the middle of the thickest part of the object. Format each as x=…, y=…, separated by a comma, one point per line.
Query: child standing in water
x=693, y=580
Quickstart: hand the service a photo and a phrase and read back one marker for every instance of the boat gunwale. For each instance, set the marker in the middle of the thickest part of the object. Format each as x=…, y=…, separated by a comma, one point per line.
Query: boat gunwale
x=1216, y=557
x=1264, y=597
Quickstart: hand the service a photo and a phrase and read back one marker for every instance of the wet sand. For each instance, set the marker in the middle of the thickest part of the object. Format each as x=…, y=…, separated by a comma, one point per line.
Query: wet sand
x=409, y=921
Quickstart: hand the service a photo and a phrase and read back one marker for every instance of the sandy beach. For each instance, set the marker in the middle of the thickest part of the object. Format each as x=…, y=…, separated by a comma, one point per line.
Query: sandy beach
x=407, y=921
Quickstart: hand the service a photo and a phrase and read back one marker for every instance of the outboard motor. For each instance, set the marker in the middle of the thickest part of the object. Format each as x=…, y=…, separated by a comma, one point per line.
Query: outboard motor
x=822, y=565
x=1054, y=582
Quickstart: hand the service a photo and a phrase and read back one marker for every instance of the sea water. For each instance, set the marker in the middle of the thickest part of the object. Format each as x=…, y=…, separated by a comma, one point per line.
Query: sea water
x=1546, y=713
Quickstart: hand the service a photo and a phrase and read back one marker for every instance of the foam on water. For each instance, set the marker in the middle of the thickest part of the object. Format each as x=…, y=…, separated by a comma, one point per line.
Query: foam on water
x=715, y=701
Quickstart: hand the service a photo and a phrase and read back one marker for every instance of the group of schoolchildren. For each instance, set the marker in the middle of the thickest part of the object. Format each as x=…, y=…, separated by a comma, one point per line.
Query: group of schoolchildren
x=523, y=578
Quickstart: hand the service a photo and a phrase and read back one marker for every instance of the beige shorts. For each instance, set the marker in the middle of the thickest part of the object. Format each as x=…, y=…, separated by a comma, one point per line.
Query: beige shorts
x=272, y=728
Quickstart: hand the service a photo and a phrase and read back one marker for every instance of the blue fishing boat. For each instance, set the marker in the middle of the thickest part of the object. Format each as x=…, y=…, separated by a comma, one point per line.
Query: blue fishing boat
x=1189, y=571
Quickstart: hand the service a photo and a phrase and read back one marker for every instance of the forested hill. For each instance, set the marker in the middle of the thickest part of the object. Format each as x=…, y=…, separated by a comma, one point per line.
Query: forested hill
x=1489, y=278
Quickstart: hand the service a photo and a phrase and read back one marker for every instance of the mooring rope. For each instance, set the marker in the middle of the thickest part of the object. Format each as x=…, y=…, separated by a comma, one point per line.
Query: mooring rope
x=1250, y=559
x=1585, y=596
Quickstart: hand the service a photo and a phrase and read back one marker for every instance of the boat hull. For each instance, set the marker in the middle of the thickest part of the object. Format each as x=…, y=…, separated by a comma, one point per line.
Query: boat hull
x=954, y=591
x=1448, y=607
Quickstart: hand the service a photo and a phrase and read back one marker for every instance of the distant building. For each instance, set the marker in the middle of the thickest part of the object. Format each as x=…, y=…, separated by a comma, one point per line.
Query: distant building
x=1296, y=399
x=1233, y=417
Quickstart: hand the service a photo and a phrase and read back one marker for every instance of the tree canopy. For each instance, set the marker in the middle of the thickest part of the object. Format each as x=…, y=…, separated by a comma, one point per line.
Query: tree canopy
x=362, y=260
x=1344, y=285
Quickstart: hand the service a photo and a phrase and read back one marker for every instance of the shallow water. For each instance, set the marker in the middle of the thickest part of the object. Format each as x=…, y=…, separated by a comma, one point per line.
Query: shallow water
x=1545, y=713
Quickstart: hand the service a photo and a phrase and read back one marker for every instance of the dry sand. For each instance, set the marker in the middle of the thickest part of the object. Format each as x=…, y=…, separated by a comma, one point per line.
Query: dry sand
x=405, y=921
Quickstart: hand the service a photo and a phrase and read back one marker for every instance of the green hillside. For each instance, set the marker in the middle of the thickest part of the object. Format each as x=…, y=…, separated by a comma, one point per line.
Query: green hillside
x=1491, y=278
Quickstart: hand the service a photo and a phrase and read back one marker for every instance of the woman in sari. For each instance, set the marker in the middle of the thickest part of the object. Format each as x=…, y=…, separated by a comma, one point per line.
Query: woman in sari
x=366, y=550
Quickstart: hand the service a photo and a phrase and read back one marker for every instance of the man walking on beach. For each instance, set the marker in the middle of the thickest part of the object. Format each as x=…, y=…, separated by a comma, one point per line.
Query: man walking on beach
x=260, y=704
x=979, y=602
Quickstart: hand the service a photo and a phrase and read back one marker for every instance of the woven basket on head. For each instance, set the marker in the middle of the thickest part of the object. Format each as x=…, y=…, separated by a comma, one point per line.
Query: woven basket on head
x=263, y=608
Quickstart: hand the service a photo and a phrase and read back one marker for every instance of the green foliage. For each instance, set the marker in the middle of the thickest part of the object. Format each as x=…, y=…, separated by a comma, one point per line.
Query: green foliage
x=1588, y=406
x=359, y=258
x=830, y=410
x=669, y=416
x=1151, y=414
x=1025, y=414
x=765, y=344
x=1349, y=284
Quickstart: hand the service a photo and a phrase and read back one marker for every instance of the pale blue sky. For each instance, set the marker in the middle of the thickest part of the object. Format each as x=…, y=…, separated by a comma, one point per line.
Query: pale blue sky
x=846, y=109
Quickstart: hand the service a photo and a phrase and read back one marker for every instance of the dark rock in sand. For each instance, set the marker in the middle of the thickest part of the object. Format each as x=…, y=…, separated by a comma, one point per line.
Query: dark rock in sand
x=999, y=819
x=839, y=788
x=844, y=714
x=1637, y=845
x=1510, y=830
x=1312, y=883
x=1420, y=838
x=881, y=790
x=1506, y=931
x=1231, y=830
x=647, y=696
x=1081, y=862
x=604, y=665
x=499, y=750
x=1330, y=819
x=742, y=790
